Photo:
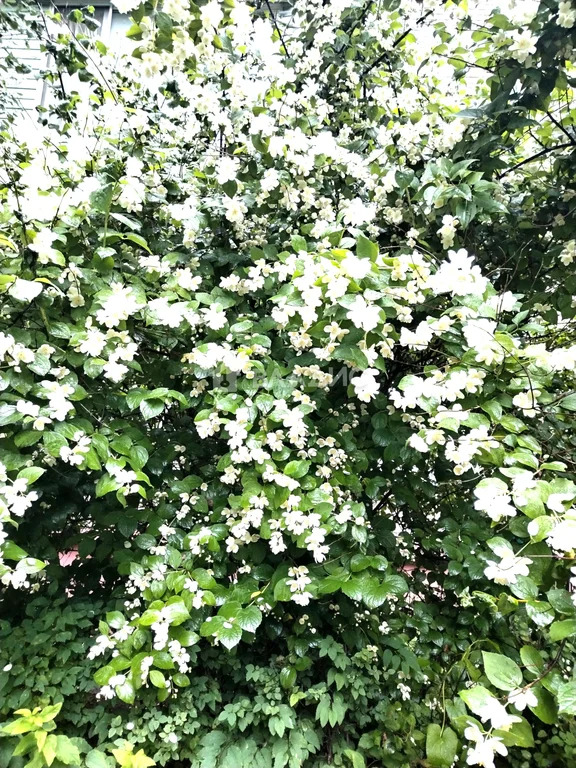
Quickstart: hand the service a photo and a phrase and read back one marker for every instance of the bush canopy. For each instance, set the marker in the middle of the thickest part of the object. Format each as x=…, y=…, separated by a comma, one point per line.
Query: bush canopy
x=288, y=387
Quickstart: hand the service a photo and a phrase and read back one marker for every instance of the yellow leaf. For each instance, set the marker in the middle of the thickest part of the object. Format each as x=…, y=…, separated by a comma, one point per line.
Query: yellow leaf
x=126, y=757
x=5, y=242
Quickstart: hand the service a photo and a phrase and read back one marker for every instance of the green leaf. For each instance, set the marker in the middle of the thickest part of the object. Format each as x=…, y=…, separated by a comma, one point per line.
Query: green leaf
x=297, y=468
x=540, y=612
x=249, y=618
x=287, y=677
x=11, y=551
x=477, y=698
x=151, y=408
x=138, y=239
x=282, y=591
x=356, y=758
x=67, y=751
x=566, y=697
x=230, y=634
x=175, y=611
x=546, y=709
x=360, y=563
x=51, y=712
x=493, y=409
x=125, y=692
x=101, y=199
x=157, y=678
x=561, y=601
x=128, y=221
x=352, y=354
x=53, y=442
x=135, y=397
x=105, y=485
x=17, y=727
x=559, y=630
x=127, y=758
x=501, y=671
x=97, y=759
x=138, y=456
x=366, y=248
x=569, y=402
x=103, y=675
x=519, y=735
x=49, y=749
x=374, y=594
x=512, y=424
x=298, y=243
x=532, y=659
x=31, y=474
x=441, y=746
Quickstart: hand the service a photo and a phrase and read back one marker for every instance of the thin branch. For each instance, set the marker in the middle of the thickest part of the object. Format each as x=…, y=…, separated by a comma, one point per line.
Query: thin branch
x=399, y=39
x=49, y=38
x=559, y=125
x=536, y=156
x=276, y=27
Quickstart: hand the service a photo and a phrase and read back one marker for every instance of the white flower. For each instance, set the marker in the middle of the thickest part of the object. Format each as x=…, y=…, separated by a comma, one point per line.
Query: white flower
x=357, y=212
x=270, y=180
x=234, y=208
x=556, y=501
x=25, y=290
x=211, y=14
x=168, y=314
x=42, y=244
x=363, y=315
x=365, y=386
x=187, y=280
x=527, y=401
x=227, y=169
x=522, y=698
x=494, y=499
x=301, y=598
x=523, y=45
x=103, y=643
x=94, y=342
x=458, y=276
x=562, y=538
x=117, y=306
x=499, y=718
x=418, y=339
x=566, y=14
x=115, y=371
x=179, y=10
x=482, y=753
x=27, y=408
x=215, y=317
x=405, y=691
x=503, y=302
x=447, y=231
x=125, y=6
x=509, y=568
x=354, y=267
x=418, y=443
x=479, y=335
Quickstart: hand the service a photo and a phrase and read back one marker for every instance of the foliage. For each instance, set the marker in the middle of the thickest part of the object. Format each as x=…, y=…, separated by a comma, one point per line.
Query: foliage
x=288, y=390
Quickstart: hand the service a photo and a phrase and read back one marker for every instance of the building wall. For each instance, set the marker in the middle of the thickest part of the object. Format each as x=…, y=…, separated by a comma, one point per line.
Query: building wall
x=27, y=90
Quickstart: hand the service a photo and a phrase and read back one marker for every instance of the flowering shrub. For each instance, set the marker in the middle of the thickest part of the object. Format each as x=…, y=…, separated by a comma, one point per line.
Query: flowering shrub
x=289, y=381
